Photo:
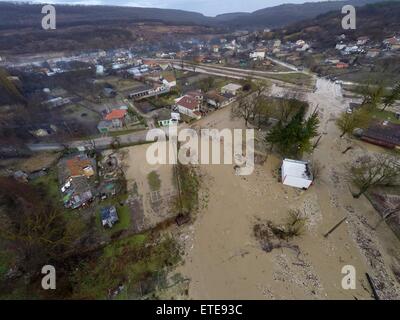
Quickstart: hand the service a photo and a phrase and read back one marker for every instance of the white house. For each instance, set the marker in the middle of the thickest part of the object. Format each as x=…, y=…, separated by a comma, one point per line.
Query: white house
x=258, y=54
x=99, y=70
x=231, y=88
x=296, y=173
x=169, y=81
x=189, y=106
x=340, y=46
x=304, y=47
x=277, y=43
x=166, y=118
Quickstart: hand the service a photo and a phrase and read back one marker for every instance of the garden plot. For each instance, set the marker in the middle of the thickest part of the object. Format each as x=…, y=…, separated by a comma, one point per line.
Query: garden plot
x=151, y=187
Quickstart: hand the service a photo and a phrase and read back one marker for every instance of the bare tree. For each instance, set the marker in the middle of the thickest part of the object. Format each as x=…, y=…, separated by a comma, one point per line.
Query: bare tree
x=289, y=105
x=347, y=122
x=316, y=169
x=244, y=109
x=369, y=171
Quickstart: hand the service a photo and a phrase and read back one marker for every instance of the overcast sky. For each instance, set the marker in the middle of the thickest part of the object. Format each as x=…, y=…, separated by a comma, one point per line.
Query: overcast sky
x=207, y=7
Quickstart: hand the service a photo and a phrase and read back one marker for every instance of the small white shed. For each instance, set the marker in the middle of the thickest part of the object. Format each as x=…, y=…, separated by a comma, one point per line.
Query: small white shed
x=231, y=88
x=296, y=173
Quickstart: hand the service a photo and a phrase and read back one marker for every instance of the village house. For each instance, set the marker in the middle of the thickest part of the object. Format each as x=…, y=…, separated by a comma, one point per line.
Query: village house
x=215, y=48
x=231, y=88
x=147, y=91
x=150, y=63
x=189, y=106
x=340, y=46
x=373, y=53
x=56, y=102
x=109, y=216
x=169, y=80
x=342, y=65
x=197, y=94
x=216, y=100
x=258, y=54
x=117, y=117
x=75, y=175
x=166, y=118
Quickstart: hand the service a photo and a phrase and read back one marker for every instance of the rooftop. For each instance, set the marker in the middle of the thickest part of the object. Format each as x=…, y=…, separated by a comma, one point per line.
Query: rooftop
x=232, y=87
x=79, y=166
x=296, y=168
x=109, y=216
x=116, y=114
x=188, y=102
x=387, y=135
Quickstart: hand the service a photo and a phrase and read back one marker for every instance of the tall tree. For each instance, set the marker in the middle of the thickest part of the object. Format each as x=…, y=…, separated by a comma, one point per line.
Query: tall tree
x=347, y=122
x=294, y=138
x=244, y=109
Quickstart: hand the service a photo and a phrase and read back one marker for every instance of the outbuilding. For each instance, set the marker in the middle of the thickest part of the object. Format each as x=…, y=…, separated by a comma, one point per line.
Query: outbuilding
x=109, y=216
x=296, y=173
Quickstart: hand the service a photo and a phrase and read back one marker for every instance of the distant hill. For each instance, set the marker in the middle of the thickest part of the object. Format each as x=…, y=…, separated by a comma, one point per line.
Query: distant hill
x=231, y=16
x=17, y=15
x=285, y=14
x=14, y=15
x=376, y=21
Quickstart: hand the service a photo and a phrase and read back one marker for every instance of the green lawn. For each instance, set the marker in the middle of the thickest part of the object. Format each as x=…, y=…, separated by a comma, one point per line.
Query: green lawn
x=154, y=181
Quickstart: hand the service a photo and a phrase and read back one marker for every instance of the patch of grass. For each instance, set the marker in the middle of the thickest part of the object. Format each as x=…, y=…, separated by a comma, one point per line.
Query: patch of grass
x=154, y=181
x=123, y=132
x=294, y=78
x=187, y=200
x=384, y=115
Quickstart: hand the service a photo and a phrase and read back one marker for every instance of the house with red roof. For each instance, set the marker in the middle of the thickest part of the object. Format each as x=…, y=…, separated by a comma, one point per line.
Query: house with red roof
x=116, y=118
x=189, y=105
